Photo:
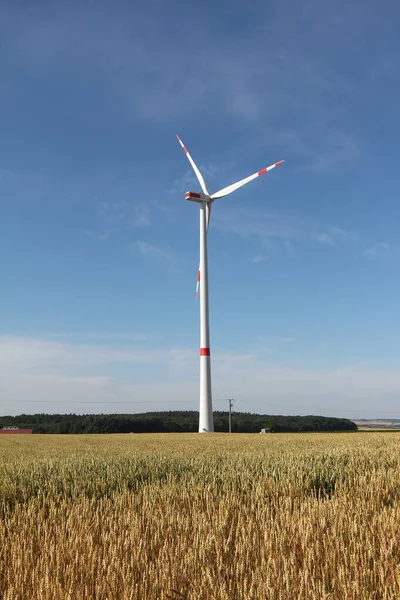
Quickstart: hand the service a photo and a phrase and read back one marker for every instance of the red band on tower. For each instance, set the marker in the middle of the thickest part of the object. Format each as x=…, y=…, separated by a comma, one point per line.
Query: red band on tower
x=204, y=351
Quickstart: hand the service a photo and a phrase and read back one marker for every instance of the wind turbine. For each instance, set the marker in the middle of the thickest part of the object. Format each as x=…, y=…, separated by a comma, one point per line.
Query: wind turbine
x=206, y=420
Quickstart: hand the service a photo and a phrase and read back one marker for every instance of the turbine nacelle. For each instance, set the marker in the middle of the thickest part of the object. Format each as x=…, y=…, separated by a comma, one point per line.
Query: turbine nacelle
x=196, y=197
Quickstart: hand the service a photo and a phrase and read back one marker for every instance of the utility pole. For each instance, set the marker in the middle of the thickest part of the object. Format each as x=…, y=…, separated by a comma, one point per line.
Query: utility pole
x=230, y=400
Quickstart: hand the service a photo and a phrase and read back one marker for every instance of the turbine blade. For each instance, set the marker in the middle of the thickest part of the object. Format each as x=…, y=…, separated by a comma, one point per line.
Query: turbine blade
x=195, y=169
x=197, y=284
x=208, y=213
x=231, y=188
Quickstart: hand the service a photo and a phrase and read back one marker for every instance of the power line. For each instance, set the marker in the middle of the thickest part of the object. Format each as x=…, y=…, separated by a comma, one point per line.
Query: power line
x=100, y=402
x=152, y=402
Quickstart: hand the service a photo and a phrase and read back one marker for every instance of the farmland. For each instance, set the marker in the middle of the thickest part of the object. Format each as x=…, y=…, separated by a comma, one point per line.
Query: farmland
x=196, y=517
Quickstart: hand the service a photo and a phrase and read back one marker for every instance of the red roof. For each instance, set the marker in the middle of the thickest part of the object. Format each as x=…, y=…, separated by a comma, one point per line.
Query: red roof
x=15, y=431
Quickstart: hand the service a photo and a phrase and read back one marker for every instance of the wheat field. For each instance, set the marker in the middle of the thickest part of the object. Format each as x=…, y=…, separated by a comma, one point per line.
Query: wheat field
x=200, y=517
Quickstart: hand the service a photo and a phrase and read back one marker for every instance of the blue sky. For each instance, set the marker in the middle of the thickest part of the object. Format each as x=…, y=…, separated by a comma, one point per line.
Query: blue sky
x=100, y=250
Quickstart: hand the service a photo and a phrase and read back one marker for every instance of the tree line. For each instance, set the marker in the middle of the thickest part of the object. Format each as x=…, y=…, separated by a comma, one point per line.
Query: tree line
x=173, y=422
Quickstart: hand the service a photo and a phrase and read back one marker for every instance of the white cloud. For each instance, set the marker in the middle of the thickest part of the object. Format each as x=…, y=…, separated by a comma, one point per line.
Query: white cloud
x=40, y=375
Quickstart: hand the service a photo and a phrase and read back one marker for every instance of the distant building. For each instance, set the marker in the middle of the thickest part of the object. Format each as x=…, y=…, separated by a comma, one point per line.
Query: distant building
x=265, y=430
x=14, y=430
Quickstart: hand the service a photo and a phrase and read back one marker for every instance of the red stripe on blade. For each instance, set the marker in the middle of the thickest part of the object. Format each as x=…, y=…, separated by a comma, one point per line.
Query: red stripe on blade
x=204, y=351
x=185, y=149
x=198, y=276
x=262, y=171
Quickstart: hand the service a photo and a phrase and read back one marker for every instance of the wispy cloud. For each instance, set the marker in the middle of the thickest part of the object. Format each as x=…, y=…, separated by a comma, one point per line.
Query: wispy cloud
x=26, y=186
x=141, y=215
x=289, y=249
x=157, y=253
x=252, y=223
x=26, y=353
x=267, y=226
x=325, y=150
x=384, y=250
x=259, y=258
x=32, y=355
x=324, y=238
x=98, y=336
x=269, y=345
x=154, y=80
x=186, y=182
x=210, y=172
x=102, y=236
x=342, y=234
x=126, y=215
x=335, y=235
x=114, y=211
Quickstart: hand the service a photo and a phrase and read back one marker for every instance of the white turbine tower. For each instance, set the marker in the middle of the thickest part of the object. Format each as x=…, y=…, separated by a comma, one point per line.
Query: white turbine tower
x=206, y=420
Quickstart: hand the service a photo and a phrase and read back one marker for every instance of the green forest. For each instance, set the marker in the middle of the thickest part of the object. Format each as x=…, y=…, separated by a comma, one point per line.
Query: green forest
x=173, y=422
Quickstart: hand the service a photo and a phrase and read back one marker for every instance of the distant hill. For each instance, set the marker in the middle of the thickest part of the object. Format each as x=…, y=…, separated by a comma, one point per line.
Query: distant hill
x=173, y=421
x=378, y=423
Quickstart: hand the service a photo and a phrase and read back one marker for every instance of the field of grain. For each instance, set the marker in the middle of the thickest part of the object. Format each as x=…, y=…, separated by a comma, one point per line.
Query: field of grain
x=187, y=517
